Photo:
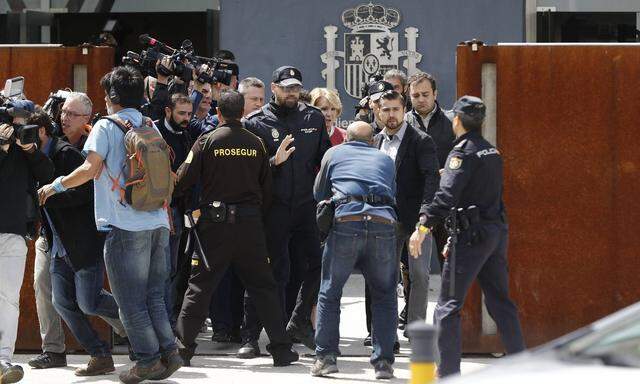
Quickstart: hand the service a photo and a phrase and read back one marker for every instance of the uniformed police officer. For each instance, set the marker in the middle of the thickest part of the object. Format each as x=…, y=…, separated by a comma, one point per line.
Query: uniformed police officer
x=471, y=180
x=232, y=166
x=297, y=129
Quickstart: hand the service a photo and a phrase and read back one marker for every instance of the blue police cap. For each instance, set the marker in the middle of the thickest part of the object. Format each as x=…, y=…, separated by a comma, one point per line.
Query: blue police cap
x=471, y=106
x=377, y=88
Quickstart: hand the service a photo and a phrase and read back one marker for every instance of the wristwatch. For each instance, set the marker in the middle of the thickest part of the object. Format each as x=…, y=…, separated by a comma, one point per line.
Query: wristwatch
x=420, y=224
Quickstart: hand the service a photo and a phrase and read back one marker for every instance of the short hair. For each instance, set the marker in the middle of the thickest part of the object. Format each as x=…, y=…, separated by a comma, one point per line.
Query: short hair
x=178, y=98
x=231, y=104
x=422, y=76
x=471, y=123
x=392, y=95
x=248, y=83
x=40, y=118
x=87, y=105
x=332, y=97
x=396, y=73
x=127, y=84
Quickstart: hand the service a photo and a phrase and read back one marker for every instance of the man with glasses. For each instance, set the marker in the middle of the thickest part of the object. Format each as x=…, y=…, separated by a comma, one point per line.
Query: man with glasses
x=76, y=112
x=295, y=137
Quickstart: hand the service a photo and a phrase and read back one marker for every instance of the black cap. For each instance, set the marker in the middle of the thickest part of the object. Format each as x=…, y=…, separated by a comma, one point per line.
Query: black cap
x=471, y=106
x=377, y=88
x=287, y=75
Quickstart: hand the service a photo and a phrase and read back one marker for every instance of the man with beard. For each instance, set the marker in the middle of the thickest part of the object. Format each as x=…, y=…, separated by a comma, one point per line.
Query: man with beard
x=174, y=131
x=291, y=220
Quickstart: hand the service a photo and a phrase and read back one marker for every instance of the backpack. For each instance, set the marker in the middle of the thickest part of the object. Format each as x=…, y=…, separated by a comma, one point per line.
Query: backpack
x=149, y=184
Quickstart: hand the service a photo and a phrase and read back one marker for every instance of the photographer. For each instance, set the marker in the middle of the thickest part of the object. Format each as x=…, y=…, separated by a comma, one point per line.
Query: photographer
x=21, y=168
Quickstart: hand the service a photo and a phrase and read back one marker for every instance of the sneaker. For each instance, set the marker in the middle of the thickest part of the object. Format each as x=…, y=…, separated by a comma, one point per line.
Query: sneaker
x=367, y=341
x=283, y=356
x=49, y=360
x=139, y=374
x=303, y=333
x=324, y=366
x=97, y=366
x=171, y=362
x=249, y=350
x=10, y=373
x=383, y=370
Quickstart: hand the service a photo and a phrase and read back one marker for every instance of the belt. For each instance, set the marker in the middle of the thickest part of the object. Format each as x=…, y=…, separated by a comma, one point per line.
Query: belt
x=365, y=217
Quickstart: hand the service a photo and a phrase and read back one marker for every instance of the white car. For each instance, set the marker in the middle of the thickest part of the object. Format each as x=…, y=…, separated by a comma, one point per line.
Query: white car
x=607, y=351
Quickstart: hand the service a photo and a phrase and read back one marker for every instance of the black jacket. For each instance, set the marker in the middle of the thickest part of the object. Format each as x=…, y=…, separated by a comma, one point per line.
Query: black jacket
x=19, y=173
x=293, y=179
x=472, y=176
x=417, y=175
x=439, y=129
x=72, y=211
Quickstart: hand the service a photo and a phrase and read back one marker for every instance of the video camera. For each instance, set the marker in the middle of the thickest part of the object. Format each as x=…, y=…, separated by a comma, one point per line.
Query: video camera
x=53, y=105
x=183, y=62
x=11, y=106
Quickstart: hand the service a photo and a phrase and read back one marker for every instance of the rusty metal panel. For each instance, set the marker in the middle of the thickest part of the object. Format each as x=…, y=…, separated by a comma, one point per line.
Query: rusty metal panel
x=566, y=117
x=45, y=70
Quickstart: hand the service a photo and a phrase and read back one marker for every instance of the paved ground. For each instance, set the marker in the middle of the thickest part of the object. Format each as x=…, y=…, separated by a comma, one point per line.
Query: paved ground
x=217, y=364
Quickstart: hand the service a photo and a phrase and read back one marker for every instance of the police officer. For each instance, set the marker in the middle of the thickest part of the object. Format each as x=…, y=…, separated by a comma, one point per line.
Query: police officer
x=472, y=180
x=298, y=130
x=233, y=167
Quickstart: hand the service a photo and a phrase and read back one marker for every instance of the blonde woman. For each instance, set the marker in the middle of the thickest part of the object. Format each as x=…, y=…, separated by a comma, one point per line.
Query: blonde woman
x=329, y=103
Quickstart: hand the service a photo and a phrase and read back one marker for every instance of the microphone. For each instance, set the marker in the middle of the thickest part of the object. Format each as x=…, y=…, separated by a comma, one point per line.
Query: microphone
x=152, y=42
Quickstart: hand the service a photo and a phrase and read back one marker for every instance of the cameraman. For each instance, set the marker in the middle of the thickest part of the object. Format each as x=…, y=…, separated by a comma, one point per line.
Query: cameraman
x=21, y=168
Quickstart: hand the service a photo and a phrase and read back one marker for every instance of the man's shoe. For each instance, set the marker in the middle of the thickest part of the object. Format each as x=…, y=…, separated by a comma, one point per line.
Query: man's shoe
x=186, y=354
x=49, y=360
x=139, y=374
x=303, y=333
x=248, y=350
x=283, y=356
x=383, y=370
x=97, y=366
x=367, y=341
x=324, y=366
x=221, y=337
x=171, y=362
x=10, y=373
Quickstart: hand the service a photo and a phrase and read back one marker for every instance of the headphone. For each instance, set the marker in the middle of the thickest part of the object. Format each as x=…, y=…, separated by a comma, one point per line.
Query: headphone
x=114, y=97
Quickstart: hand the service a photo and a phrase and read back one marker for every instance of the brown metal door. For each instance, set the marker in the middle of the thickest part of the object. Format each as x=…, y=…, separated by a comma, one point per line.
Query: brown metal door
x=567, y=119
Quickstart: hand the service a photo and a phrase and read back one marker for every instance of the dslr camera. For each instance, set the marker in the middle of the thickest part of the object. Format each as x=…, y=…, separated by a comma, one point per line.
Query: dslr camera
x=12, y=105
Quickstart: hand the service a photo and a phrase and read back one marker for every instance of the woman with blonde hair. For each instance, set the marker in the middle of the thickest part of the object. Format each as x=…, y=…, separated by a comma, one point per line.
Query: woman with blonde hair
x=328, y=101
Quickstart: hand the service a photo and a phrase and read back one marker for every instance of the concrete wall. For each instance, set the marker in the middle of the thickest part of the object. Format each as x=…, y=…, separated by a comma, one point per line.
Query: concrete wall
x=267, y=34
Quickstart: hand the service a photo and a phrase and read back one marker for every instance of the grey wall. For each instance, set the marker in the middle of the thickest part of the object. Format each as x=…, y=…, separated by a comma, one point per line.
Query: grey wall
x=266, y=34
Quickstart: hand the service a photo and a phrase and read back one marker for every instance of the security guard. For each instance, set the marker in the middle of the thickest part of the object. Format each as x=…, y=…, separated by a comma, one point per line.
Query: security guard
x=472, y=180
x=295, y=137
x=233, y=167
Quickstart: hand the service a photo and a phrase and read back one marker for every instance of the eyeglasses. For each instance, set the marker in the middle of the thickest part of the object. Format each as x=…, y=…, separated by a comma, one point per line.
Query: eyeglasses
x=291, y=88
x=72, y=114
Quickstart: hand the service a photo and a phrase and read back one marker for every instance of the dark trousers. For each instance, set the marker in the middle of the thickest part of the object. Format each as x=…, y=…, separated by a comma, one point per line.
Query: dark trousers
x=290, y=229
x=486, y=260
x=243, y=247
x=226, y=309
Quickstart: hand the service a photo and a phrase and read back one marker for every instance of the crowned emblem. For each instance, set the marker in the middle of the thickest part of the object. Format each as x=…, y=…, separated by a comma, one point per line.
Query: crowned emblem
x=371, y=47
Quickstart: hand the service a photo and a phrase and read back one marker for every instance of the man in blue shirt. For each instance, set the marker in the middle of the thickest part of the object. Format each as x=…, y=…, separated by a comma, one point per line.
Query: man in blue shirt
x=135, y=250
x=360, y=180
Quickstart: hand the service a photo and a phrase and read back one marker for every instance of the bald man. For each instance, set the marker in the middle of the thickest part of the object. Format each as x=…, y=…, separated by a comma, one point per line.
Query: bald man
x=360, y=181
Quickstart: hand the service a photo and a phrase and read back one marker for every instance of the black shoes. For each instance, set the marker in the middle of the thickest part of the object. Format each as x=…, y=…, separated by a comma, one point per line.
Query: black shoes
x=396, y=345
x=186, y=354
x=10, y=373
x=367, y=341
x=48, y=360
x=383, y=370
x=283, y=356
x=248, y=350
x=302, y=333
x=324, y=366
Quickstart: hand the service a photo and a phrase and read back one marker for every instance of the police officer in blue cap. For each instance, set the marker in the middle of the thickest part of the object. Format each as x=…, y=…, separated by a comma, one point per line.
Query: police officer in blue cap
x=472, y=184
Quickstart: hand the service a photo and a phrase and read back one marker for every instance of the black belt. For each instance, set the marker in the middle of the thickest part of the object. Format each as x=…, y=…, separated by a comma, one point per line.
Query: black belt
x=364, y=217
x=220, y=212
x=369, y=199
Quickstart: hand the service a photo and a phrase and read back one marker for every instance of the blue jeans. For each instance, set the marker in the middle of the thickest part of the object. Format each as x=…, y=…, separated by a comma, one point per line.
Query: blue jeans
x=137, y=267
x=78, y=294
x=372, y=248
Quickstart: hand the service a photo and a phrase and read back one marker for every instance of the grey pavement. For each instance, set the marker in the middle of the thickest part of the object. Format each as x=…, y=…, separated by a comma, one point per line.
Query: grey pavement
x=218, y=364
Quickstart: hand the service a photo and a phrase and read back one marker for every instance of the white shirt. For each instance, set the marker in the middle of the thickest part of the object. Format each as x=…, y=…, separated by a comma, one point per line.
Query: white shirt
x=391, y=144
